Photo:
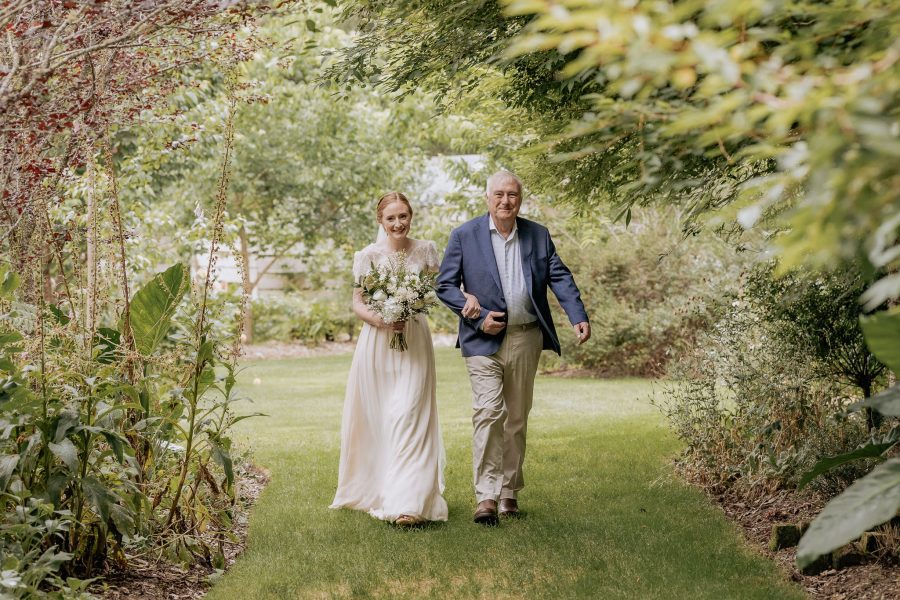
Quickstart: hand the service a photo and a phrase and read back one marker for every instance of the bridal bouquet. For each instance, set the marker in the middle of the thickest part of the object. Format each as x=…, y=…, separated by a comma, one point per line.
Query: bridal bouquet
x=395, y=293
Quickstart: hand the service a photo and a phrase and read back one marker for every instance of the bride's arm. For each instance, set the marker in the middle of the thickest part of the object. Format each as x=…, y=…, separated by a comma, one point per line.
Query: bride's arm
x=362, y=311
x=472, y=307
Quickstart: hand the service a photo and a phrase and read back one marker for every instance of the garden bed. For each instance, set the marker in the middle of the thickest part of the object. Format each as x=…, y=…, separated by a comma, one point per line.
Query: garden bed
x=157, y=580
x=878, y=579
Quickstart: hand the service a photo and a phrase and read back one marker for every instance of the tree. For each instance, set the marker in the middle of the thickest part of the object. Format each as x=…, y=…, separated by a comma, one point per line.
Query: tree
x=785, y=112
x=308, y=165
x=74, y=70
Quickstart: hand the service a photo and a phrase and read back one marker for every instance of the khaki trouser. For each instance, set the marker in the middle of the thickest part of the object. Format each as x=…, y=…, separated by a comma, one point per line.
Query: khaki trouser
x=502, y=392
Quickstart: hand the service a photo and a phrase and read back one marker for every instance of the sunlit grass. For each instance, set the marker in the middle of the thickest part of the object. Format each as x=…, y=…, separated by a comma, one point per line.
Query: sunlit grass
x=605, y=517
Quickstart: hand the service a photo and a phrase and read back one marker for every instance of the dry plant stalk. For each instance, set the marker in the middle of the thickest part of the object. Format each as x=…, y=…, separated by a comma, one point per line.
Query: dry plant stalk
x=200, y=363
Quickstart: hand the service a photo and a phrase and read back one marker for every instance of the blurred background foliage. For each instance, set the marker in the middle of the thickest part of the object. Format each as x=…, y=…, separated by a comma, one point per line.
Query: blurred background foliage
x=721, y=176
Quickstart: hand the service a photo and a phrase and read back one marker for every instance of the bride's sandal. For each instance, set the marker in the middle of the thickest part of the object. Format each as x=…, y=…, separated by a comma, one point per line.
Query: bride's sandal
x=407, y=521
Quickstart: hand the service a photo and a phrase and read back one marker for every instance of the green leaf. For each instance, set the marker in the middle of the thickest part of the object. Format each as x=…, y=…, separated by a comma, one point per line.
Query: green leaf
x=9, y=281
x=10, y=338
x=144, y=397
x=882, y=332
x=870, y=501
x=61, y=317
x=116, y=443
x=154, y=305
x=205, y=353
x=67, y=421
x=56, y=485
x=221, y=456
x=8, y=464
x=107, y=340
x=122, y=518
x=871, y=450
x=66, y=452
x=51, y=560
x=249, y=416
x=886, y=402
x=98, y=496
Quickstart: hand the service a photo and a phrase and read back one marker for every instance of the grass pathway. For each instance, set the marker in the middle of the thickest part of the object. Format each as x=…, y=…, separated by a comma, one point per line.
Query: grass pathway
x=605, y=517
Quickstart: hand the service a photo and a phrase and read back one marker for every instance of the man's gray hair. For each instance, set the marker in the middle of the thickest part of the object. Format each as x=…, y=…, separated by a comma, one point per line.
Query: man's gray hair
x=502, y=174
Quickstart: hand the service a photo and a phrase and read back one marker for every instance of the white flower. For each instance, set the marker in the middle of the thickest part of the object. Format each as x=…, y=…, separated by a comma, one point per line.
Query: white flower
x=392, y=310
x=379, y=296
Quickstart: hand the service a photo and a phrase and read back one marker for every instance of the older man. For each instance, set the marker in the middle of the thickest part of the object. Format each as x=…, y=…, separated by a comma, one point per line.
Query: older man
x=507, y=263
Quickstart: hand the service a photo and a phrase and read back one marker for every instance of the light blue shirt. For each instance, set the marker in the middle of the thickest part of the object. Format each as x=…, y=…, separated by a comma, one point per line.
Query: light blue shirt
x=519, y=308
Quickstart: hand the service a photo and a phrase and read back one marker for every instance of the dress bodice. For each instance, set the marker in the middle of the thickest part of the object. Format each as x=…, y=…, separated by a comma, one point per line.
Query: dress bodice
x=422, y=256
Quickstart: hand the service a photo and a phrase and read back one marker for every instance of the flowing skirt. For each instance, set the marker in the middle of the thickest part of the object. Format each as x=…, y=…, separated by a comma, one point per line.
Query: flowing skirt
x=392, y=456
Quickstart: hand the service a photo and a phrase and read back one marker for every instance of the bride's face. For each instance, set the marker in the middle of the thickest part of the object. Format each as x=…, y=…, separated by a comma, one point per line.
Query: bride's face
x=396, y=219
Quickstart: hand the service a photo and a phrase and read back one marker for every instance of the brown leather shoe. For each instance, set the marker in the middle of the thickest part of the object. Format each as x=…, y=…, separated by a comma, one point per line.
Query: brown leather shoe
x=486, y=512
x=509, y=507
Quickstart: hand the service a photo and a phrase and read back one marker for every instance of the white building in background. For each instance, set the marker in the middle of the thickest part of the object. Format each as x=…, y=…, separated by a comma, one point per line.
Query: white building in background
x=285, y=273
x=435, y=183
x=437, y=179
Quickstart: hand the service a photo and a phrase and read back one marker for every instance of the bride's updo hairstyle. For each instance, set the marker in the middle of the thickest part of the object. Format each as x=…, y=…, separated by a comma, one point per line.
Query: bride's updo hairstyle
x=389, y=199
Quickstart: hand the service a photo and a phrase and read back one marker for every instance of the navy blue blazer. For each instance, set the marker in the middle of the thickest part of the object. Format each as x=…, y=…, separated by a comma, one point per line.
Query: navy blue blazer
x=469, y=260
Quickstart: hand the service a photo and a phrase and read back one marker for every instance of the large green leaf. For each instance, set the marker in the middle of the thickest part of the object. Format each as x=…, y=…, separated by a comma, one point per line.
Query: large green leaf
x=98, y=496
x=886, y=402
x=8, y=463
x=154, y=305
x=122, y=518
x=870, y=450
x=870, y=501
x=116, y=444
x=66, y=452
x=882, y=331
x=9, y=281
x=222, y=457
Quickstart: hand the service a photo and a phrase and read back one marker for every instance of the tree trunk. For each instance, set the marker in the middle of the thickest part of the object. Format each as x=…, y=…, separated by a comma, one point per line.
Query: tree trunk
x=247, y=325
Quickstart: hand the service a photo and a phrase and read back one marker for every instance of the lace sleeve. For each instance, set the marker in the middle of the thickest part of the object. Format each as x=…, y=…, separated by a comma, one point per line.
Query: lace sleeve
x=361, y=264
x=432, y=259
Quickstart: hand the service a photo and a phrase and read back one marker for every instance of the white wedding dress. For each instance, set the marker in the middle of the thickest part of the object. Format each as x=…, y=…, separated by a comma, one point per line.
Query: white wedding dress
x=392, y=456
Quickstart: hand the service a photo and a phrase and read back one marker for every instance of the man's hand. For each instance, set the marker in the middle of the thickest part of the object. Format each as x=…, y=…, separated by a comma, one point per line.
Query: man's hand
x=583, y=331
x=472, y=309
x=493, y=324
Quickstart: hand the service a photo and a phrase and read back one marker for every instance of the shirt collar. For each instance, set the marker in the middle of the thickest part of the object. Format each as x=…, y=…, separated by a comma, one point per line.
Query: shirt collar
x=493, y=227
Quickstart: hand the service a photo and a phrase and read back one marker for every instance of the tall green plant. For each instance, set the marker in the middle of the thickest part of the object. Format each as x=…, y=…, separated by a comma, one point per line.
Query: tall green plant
x=875, y=498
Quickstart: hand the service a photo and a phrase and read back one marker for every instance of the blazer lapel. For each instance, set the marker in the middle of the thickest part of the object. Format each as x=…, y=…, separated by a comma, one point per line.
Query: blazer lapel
x=525, y=248
x=487, y=249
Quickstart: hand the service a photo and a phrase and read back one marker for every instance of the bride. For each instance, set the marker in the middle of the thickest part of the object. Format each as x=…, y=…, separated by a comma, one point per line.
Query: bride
x=392, y=456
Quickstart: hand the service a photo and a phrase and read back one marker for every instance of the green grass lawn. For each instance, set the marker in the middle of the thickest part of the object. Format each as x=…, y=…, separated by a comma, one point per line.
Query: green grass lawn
x=606, y=518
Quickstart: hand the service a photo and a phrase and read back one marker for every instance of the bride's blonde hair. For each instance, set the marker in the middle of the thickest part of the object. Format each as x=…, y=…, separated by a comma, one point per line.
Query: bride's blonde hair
x=388, y=199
